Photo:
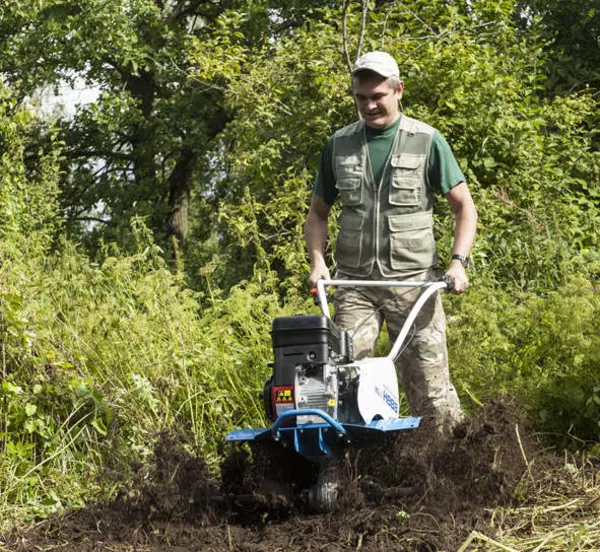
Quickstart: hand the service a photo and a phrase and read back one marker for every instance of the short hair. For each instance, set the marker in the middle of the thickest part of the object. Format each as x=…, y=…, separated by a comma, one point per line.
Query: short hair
x=367, y=75
x=394, y=82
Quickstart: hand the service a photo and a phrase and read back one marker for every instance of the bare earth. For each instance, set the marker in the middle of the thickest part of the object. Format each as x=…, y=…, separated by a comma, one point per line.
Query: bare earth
x=403, y=493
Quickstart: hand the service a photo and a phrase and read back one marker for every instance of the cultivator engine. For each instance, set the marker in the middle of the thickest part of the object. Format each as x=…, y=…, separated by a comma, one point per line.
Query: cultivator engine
x=320, y=398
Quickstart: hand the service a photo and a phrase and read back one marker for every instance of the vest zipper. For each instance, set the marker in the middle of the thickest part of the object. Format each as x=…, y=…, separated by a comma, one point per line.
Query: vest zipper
x=377, y=187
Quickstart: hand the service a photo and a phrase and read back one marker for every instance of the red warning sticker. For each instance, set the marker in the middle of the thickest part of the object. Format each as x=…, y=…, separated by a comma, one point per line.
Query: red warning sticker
x=284, y=395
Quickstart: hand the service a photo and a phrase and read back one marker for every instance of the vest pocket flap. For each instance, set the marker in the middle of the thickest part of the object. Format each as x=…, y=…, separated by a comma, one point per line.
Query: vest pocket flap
x=407, y=160
x=351, y=221
x=408, y=223
x=348, y=183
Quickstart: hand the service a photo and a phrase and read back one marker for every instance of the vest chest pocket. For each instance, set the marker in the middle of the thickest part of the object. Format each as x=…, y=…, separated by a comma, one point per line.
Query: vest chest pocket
x=350, y=189
x=407, y=179
x=412, y=246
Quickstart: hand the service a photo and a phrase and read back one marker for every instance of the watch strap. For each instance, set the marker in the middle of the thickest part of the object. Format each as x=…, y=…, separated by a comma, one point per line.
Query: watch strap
x=463, y=260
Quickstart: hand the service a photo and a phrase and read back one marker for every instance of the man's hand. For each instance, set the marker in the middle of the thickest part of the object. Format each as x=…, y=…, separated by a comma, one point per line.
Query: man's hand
x=318, y=272
x=460, y=281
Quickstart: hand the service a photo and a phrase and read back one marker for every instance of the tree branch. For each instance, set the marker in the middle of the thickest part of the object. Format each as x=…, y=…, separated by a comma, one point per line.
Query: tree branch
x=443, y=34
x=385, y=22
x=103, y=154
x=106, y=169
x=79, y=218
x=417, y=18
x=363, y=26
x=345, y=35
x=180, y=11
x=177, y=12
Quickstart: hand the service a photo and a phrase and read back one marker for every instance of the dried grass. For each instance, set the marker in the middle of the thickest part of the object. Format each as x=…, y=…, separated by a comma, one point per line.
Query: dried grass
x=562, y=514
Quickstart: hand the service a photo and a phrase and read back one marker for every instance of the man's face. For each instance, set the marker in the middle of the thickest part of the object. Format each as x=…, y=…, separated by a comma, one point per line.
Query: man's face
x=377, y=101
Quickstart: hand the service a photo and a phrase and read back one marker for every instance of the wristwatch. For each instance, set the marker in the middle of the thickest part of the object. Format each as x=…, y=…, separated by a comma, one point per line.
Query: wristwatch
x=463, y=260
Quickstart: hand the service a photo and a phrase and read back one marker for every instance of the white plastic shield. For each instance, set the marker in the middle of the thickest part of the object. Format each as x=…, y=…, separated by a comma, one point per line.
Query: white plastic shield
x=377, y=389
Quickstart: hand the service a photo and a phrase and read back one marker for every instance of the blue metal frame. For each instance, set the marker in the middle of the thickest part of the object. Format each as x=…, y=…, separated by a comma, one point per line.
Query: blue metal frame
x=316, y=440
x=275, y=428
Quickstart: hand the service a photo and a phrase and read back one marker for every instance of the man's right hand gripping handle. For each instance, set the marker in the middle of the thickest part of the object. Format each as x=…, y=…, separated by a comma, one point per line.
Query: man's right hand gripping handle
x=318, y=272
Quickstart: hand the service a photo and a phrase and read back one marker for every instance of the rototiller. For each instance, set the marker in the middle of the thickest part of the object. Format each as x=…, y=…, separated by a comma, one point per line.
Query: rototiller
x=321, y=398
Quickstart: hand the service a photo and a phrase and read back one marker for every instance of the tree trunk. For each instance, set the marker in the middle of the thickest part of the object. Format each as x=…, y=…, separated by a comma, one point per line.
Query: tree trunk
x=143, y=146
x=180, y=185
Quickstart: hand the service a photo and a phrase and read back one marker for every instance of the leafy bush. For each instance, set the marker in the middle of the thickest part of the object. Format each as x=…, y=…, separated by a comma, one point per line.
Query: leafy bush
x=98, y=358
x=544, y=350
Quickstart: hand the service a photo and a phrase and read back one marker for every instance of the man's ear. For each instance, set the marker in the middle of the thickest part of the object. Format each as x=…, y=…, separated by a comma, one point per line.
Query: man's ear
x=400, y=90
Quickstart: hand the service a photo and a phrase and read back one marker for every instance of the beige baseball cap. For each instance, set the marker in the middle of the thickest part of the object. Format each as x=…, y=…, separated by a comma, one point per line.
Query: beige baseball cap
x=380, y=62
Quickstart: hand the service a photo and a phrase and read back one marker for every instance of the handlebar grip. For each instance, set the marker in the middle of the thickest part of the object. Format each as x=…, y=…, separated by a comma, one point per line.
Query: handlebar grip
x=315, y=295
x=448, y=281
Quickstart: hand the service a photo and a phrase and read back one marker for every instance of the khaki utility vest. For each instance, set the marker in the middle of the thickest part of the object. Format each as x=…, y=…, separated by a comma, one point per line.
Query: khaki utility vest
x=389, y=225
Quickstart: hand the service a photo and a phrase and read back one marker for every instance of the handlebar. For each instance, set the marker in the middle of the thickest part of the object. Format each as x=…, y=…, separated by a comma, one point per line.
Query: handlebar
x=445, y=282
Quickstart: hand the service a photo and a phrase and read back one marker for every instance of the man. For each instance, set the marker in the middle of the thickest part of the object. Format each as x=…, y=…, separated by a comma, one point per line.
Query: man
x=385, y=169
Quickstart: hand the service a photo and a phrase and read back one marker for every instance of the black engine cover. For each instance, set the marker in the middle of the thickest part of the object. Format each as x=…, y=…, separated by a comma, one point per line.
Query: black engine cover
x=306, y=339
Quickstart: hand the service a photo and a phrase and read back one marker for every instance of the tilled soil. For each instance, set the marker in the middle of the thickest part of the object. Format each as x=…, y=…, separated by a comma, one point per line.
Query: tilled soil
x=410, y=492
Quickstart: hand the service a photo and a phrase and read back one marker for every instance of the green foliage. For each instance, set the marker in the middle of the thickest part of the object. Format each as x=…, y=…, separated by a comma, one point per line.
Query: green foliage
x=531, y=161
x=288, y=96
x=570, y=32
x=544, y=350
x=97, y=359
x=29, y=198
x=118, y=352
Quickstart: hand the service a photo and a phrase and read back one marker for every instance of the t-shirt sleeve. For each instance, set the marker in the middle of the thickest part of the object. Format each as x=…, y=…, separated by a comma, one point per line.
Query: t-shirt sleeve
x=443, y=170
x=325, y=184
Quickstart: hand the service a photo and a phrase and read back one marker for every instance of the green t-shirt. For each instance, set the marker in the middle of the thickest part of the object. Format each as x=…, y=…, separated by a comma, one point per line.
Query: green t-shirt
x=443, y=171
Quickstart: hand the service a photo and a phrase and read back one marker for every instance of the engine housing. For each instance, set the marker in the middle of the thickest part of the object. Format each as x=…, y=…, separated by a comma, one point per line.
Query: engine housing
x=307, y=349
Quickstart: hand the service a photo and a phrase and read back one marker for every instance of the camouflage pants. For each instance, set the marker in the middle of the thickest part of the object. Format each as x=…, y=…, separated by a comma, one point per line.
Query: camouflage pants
x=423, y=365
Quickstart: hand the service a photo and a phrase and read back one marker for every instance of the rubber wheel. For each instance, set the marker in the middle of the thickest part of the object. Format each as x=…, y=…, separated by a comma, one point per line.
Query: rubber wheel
x=323, y=495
